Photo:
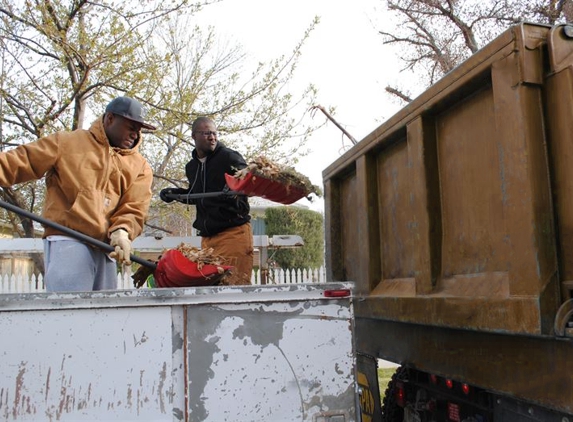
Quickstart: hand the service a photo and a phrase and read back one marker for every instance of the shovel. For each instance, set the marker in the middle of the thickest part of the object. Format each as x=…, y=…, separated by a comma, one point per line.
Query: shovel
x=251, y=185
x=172, y=270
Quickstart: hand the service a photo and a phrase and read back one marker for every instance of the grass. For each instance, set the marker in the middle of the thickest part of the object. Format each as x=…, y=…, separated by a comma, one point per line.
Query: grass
x=384, y=376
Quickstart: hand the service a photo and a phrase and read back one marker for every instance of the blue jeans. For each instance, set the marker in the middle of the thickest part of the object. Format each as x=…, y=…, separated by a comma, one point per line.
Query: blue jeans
x=73, y=266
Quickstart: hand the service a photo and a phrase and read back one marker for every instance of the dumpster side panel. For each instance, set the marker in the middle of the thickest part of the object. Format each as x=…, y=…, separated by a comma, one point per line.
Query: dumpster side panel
x=279, y=361
x=470, y=274
x=450, y=201
x=91, y=364
x=397, y=255
x=558, y=100
x=222, y=353
x=472, y=187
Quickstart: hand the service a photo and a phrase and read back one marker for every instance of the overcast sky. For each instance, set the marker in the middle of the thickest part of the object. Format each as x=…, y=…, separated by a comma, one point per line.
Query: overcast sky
x=344, y=58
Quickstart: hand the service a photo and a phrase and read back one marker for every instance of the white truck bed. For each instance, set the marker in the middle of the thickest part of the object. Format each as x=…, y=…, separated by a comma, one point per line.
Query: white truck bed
x=248, y=353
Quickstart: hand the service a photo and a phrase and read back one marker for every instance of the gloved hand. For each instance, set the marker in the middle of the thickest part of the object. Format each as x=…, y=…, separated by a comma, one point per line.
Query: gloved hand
x=120, y=239
x=175, y=191
x=168, y=191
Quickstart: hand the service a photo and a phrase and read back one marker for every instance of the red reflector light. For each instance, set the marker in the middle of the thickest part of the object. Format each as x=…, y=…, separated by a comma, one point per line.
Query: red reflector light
x=400, y=395
x=337, y=293
x=433, y=379
x=449, y=383
x=466, y=389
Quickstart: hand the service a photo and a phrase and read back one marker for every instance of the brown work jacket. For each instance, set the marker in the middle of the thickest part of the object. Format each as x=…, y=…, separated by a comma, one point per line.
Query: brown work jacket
x=91, y=187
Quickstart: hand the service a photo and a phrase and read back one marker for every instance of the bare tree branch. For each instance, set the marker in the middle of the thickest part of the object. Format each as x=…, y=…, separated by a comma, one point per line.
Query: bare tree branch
x=437, y=35
x=399, y=94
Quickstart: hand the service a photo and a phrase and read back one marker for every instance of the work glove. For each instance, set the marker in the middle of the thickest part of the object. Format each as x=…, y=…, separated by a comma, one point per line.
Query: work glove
x=120, y=240
x=164, y=192
x=228, y=193
x=175, y=191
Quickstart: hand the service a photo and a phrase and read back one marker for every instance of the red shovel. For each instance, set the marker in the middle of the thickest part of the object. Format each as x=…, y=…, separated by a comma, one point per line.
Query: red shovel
x=250, y=185
x=253, y=185
x=175, y=270
x=172, y=270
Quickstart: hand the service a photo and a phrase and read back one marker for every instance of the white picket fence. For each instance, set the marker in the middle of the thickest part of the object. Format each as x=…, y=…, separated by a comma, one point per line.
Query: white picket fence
x=23, y=283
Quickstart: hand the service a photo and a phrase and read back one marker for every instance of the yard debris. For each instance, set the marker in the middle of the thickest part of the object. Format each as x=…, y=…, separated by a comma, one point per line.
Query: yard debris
x=273, y=181
x=202, y=257
x=211, y=269
x=199, y=259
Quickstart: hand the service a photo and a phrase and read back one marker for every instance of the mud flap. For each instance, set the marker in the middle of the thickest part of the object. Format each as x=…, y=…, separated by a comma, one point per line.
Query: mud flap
x=368, y=390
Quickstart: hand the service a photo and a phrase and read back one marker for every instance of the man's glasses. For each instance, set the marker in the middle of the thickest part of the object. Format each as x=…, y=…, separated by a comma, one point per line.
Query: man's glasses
x=206, y=132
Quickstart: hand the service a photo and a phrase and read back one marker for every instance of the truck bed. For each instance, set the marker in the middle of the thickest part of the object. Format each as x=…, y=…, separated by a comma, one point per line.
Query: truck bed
x=199, y=354
x=455, y=220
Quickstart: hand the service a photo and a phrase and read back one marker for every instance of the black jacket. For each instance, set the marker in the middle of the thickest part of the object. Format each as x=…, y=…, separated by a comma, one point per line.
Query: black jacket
x=216, y=214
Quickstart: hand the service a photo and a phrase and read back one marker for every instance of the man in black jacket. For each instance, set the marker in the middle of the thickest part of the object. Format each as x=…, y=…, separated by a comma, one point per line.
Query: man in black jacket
x=223, y=222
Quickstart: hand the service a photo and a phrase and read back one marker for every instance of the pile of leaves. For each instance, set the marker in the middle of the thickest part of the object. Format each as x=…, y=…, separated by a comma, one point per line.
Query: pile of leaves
x=288, y=176
x=202, y=257
x=144, y=275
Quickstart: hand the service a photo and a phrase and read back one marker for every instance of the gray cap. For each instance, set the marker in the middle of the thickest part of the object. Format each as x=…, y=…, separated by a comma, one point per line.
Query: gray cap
x=130, y=109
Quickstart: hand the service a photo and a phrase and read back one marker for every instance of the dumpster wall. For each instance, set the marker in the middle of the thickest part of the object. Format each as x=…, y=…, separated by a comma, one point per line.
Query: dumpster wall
x=249, y=353
x=458, y=211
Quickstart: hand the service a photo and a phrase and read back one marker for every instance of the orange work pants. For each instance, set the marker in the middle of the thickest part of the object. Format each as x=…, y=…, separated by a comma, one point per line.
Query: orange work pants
x=236, y=246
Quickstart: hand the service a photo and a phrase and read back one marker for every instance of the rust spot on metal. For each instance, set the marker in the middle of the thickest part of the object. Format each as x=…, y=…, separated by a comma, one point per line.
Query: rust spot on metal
x=18, y=390
x=142, y=340
x=162, y=379
x=48, y=376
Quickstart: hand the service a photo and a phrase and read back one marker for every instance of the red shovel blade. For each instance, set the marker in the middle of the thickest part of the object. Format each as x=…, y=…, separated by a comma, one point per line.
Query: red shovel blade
x=175, y=270
x=254, y=185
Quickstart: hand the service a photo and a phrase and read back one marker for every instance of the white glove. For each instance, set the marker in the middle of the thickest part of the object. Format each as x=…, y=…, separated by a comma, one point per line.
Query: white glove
x=120, y=239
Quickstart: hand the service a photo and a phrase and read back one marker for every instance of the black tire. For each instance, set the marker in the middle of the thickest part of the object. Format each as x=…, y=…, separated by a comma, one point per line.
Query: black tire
x=391, y=412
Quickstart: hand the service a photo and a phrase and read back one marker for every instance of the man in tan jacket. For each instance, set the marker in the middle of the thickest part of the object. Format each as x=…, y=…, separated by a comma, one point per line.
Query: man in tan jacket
x=97, y=183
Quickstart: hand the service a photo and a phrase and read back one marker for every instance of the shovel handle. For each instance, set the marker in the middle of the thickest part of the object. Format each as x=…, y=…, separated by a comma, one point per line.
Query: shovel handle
x=72, y=233
x=185, y=197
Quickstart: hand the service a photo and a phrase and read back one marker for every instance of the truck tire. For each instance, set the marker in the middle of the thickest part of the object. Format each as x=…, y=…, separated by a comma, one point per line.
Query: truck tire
x=391, y=412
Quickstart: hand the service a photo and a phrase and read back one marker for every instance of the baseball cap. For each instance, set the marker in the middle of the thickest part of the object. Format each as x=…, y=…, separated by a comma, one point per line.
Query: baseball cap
x=130, y=109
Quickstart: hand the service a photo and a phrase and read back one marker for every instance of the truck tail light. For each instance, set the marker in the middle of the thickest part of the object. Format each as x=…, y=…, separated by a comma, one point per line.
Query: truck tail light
x=400, y=394
x=449, y=384
x=337, y=293
x=466, y=389
x=433, y=379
